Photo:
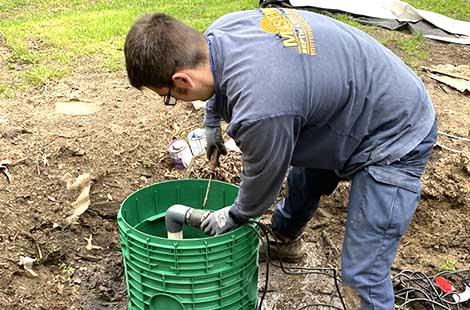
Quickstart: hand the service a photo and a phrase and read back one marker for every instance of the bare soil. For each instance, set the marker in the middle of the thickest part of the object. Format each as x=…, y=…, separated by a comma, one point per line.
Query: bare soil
x=123, y=147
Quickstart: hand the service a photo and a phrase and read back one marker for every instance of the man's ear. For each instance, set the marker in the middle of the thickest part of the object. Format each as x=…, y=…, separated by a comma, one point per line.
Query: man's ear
x=182, y=79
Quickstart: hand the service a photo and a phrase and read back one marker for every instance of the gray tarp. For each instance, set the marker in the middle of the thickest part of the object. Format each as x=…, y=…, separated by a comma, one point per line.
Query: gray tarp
x=394, y=14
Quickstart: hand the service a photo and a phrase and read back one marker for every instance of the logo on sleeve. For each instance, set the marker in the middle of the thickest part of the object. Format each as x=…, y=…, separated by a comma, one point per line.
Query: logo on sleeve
x=291, y=27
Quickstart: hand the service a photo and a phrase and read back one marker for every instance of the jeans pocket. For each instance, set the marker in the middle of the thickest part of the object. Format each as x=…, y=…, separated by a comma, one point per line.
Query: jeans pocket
x=381, y=207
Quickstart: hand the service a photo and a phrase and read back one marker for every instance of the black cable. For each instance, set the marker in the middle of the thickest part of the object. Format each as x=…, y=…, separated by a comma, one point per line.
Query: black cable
x=266, y=281
x=319, y=305
x=425, y=286
x=418, y=287
x=310, y=270
x=422, y=285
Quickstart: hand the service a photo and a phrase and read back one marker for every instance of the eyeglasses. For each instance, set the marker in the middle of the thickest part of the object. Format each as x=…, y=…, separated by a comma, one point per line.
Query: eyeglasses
x=168, y=99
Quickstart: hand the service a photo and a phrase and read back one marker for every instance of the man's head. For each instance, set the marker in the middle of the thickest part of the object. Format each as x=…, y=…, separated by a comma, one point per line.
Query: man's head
x=165, y=55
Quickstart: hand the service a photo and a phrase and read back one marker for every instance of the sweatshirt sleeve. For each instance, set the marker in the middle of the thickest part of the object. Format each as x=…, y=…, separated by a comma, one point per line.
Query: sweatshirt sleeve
x=211, y=117
x=267, y=146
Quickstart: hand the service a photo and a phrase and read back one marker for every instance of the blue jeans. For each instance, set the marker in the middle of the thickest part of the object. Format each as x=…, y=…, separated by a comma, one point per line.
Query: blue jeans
x=382, y=201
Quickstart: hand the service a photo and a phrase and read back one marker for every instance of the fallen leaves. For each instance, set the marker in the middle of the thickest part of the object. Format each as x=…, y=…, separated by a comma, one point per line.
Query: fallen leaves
x=4, y=169
x=27, y=263
x=90, y=246
x=228, y=170
x=81, y=204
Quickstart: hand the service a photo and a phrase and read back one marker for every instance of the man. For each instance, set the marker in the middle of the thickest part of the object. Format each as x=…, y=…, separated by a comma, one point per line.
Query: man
x=303, y=90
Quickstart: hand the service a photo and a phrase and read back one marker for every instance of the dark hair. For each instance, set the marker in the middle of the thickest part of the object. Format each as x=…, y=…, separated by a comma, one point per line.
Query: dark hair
x=157, y=45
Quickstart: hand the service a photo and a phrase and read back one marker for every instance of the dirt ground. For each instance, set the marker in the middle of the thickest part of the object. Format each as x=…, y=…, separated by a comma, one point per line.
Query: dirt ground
x=123, y=147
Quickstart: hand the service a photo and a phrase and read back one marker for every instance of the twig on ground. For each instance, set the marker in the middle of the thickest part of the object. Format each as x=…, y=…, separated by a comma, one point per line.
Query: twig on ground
x=319, y=225
x=19, y=161
x=119, y=153
x=38, y=248
x=452, y=136
x=447, y=148
x=324, y=213
x=89, y=258
x=329, y=242
x=112, y=185
x=37, y=166
x=134, y=148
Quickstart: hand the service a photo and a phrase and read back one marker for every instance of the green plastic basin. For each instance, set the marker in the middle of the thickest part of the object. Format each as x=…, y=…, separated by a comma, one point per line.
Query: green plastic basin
x=198, y=272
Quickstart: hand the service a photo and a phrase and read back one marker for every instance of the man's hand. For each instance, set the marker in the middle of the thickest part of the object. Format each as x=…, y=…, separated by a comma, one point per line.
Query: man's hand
x=214, y=142
x=218, y=222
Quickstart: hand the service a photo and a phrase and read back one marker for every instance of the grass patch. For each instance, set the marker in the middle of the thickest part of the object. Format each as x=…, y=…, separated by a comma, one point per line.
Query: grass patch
x=458, y=9
x=47, y=38
x=40, y=73
x=414, y=49
x=7, y=92
x=347, y=19
x=449, y=265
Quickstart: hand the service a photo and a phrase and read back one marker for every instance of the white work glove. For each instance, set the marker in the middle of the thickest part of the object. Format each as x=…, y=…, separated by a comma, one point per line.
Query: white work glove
x=214, y=141
x=218, y=222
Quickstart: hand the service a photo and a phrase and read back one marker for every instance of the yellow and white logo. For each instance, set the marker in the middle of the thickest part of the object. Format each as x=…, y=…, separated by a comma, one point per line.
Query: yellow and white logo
x=291, y=28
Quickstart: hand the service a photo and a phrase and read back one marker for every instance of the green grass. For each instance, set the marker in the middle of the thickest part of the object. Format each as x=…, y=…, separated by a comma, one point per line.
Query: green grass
x=458, y=9
x=449, y=265
x=47, y=38
x=413, y=49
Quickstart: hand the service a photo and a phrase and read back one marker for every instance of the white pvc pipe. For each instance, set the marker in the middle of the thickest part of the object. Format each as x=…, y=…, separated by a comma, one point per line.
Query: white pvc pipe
x=176, y=235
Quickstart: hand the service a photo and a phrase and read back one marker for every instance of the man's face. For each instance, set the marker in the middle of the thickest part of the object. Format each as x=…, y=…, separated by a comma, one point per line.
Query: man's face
x=188, y=85
x=182, y=93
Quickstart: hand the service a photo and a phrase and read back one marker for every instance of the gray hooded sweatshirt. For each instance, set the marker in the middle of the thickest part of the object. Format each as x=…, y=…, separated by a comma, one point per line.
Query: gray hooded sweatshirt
x=302, y=89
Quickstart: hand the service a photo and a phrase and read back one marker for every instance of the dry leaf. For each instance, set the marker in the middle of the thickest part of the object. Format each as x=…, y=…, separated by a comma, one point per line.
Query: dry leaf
x=4, y=170
x=82, y=183
x=27, y=263
x=60, y=288
x=90, y=246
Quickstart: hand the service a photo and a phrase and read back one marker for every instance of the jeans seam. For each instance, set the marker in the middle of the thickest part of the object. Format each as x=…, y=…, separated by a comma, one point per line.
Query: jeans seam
x=390, y=219
x=382, y=247
x=363, y=197
x=373, y=268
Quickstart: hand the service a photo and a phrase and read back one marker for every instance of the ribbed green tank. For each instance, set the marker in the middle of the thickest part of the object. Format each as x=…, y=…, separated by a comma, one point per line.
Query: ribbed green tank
x=198, y=272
